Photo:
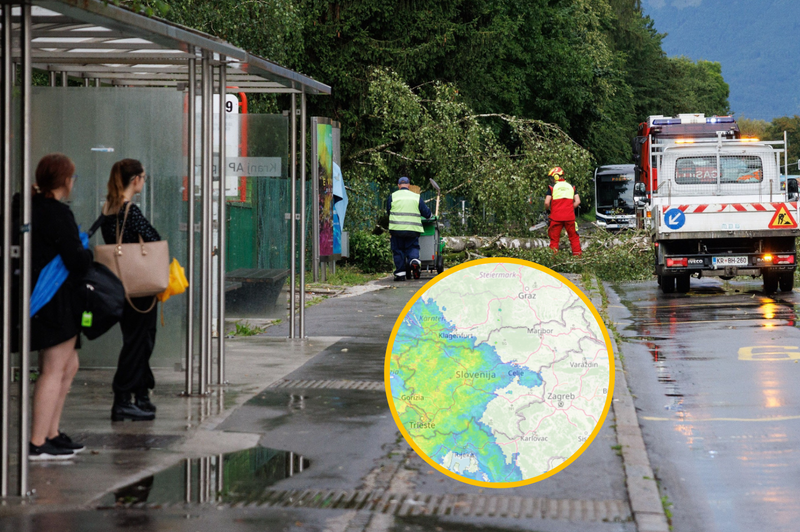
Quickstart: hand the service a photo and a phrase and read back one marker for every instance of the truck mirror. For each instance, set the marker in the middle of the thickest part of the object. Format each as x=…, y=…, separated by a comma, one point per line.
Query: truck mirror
x=792, y=189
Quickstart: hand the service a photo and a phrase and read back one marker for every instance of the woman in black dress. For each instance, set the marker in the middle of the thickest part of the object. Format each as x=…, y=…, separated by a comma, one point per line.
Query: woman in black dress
x=133, y=375
x=56, y=326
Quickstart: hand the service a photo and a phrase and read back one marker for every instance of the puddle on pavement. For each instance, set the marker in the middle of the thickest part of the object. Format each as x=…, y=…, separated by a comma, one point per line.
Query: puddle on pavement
x=229, y=478
x=276, y=407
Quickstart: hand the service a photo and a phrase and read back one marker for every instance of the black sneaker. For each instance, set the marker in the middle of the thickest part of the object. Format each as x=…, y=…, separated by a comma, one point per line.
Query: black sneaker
x=399, y=277
x=62, y=441
x=415, y=269
x=47, y=451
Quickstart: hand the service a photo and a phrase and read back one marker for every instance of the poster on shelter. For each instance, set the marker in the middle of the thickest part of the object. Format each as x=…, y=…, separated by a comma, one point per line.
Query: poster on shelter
x=325, y=164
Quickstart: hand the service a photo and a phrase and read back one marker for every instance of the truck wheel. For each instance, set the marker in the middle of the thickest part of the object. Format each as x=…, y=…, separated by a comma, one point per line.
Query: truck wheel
x=683, y=283
x=770, y=283
x=440, y=263
x=667, y=284
x=786, y=281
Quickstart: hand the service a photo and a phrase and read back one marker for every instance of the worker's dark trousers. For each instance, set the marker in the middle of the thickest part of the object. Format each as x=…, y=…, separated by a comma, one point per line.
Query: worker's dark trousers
x=404, y=250
x=138, y=341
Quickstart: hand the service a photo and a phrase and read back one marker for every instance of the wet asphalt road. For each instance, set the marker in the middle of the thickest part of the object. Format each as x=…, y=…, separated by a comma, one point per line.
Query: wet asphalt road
x=716, y=379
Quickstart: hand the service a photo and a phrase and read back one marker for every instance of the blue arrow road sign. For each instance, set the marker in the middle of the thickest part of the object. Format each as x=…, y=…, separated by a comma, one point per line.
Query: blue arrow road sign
x=674, y=218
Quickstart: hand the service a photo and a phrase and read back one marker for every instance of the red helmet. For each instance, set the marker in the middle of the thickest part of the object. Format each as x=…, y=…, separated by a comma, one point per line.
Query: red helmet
x=556, y=173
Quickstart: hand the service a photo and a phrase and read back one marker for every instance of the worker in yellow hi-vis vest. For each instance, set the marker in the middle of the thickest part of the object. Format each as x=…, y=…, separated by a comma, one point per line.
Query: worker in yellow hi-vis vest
x=562, y=202
x=406, y=210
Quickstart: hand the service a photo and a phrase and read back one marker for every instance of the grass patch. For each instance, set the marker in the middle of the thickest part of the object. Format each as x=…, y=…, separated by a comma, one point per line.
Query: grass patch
x=346, y=275
x=315, y=301
x=245, y=329
x=667, y=505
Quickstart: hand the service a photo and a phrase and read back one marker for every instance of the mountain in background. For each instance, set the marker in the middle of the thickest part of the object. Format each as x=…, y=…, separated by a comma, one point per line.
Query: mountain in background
x=757, y=43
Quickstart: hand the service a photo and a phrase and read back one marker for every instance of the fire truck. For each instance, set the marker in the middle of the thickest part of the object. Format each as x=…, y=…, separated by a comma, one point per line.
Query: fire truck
x=716, y=208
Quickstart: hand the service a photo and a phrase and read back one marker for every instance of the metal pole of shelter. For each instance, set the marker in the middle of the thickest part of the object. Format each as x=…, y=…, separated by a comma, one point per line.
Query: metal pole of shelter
x=204, y=178
x=64, y=79
x=208, y=196
x=190, y=201
x=25, y=252
x=303, y=214
x=187, y=469
x=292, y=221
x=6, y=256
x=221, y=227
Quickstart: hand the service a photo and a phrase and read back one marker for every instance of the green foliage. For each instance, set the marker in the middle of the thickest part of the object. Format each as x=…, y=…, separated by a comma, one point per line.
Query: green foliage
x=146, y=7
x=611, y=257
x=792, y=128
x=753, y=127
x=371, y=253
x=440, y=137
x=697, y=87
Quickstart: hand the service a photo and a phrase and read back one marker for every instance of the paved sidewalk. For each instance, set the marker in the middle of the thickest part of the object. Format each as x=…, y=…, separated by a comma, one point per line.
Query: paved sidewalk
x=307, y=442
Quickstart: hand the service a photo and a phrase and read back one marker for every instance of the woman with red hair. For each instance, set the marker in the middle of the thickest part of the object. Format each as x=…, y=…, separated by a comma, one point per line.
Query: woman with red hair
x=55, y=328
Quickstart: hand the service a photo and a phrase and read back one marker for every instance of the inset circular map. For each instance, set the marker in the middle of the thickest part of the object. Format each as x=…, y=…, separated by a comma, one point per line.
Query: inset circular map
x=499, y=372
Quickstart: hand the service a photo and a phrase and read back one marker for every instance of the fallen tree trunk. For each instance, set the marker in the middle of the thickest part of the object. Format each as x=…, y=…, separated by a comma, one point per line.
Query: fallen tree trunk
x=463, y=243
x=458, y=244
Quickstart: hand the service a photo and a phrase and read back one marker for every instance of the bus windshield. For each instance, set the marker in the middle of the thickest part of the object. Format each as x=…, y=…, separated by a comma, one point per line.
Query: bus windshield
x=615, y=191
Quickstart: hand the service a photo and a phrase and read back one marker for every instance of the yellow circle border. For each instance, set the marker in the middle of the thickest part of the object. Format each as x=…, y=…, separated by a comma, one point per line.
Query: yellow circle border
x=410, y=440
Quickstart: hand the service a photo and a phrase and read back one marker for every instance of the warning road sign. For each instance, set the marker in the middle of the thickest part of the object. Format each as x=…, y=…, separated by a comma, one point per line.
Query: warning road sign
x=782, y=219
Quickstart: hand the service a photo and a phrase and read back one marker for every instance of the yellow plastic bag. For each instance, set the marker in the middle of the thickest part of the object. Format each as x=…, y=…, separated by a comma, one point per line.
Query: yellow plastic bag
x=177, y=281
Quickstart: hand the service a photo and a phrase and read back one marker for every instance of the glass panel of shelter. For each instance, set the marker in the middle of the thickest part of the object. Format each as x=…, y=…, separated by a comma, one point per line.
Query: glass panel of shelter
x=99, y=126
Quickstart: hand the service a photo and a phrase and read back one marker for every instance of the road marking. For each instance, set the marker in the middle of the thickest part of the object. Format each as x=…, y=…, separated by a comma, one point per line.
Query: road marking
x=728, y=305
x=773, y=352
x=690, y=322
x=748, y=420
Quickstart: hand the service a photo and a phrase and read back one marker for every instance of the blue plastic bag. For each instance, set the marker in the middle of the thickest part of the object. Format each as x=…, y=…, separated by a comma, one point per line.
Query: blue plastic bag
x=50, y=280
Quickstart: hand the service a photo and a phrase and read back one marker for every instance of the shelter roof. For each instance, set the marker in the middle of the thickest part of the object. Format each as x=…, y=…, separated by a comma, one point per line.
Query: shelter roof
x=92, y=39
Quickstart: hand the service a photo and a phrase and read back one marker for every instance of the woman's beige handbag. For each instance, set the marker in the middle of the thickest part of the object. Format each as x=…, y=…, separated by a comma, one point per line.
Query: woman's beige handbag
x=143, y=268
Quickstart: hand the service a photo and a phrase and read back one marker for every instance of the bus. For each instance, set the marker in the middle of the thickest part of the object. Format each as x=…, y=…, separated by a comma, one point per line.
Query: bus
x=614, y=204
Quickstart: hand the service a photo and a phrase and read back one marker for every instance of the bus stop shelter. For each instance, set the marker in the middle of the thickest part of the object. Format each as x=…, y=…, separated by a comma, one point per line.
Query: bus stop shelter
x=104, y=46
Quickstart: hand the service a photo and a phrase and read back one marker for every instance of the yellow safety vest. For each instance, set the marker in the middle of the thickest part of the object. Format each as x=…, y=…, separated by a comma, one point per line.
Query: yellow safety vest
x=563, y=190
x=404, y=214
x=561, y=208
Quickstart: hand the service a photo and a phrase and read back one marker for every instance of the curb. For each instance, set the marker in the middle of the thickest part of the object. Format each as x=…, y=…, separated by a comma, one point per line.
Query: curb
x=648, y=512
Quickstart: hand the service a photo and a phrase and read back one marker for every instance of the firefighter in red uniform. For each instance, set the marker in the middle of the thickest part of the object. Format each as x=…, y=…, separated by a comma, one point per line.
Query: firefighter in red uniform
x=562, y=202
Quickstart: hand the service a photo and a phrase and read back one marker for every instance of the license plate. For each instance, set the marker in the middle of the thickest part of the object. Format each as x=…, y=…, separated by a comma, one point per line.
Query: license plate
x=730, y=261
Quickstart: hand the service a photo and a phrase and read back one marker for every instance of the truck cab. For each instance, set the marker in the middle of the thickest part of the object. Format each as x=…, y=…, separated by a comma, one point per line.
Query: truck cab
x=615, y=204
x=719, y=210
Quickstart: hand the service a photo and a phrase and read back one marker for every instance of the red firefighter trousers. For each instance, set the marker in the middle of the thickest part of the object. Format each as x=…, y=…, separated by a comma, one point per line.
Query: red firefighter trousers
x=555, y=235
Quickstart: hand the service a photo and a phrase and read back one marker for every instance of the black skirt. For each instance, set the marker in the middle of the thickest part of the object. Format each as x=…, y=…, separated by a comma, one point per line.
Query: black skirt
x=55, y=323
